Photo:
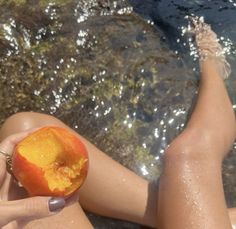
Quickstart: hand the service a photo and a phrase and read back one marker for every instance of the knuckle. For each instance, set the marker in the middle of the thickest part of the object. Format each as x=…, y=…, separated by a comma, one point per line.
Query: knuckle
x=34, y=207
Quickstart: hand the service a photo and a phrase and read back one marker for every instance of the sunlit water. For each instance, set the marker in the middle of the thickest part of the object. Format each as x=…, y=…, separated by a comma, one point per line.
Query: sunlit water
x=124, y=80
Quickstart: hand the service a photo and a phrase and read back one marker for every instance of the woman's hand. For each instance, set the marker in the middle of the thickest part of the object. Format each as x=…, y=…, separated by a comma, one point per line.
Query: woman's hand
x=23, y=209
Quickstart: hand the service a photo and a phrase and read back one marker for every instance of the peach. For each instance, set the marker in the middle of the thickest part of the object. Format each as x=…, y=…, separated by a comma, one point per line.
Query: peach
x=50, y=162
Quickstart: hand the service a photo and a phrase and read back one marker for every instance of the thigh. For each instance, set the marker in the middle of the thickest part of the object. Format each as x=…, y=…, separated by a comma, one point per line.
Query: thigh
x=71, y=217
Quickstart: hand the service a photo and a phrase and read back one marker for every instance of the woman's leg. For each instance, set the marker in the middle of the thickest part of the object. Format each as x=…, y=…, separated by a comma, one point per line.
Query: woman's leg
x=110, y=189
x=146, y=214
x=190, y=190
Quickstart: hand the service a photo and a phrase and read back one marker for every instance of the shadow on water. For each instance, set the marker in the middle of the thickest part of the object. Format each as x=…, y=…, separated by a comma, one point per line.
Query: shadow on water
x=118, y=77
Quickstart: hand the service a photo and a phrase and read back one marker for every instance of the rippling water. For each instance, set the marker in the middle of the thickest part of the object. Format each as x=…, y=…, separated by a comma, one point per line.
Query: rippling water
x=118, y=72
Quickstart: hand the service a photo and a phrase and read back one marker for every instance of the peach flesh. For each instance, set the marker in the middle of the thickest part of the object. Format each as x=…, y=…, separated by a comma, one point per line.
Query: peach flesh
x=50, y=161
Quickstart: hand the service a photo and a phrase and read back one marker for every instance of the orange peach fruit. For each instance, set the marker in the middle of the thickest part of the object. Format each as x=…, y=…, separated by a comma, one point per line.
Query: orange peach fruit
x=50, y=162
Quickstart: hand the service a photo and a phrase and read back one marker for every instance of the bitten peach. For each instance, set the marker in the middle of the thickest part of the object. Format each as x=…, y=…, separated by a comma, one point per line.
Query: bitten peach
x=50, y=162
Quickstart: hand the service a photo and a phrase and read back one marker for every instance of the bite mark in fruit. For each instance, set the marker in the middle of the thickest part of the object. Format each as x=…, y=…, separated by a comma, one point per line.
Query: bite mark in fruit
x=50, y=161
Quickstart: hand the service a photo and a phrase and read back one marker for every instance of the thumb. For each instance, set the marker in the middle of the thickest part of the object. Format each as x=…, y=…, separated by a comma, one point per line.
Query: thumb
x=29, y=209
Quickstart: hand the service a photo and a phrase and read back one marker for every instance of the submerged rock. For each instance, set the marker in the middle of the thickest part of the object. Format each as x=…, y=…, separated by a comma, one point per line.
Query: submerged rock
x=100, y=68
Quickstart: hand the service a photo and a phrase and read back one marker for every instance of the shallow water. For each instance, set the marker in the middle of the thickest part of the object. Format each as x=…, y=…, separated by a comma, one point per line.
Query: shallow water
x=124, y=80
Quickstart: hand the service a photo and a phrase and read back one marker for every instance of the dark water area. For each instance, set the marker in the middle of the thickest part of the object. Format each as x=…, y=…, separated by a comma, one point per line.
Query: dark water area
x=120, y=73
x=169, y=16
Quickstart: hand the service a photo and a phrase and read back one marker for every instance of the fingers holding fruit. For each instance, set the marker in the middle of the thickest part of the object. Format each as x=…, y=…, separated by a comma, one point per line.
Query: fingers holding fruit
x=47, y=162
x=33, y=208
x=29, y=209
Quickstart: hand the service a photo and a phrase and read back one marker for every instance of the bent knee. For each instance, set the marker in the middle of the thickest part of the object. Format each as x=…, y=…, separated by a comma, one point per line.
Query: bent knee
x=191, y=145
x=26, y=120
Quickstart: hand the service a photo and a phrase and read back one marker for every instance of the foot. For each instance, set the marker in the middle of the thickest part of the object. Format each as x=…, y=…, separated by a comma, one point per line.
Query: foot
x=208, y=45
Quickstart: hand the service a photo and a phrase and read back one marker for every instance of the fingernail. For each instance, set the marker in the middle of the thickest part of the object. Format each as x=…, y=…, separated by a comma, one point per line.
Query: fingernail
x=56, y=203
